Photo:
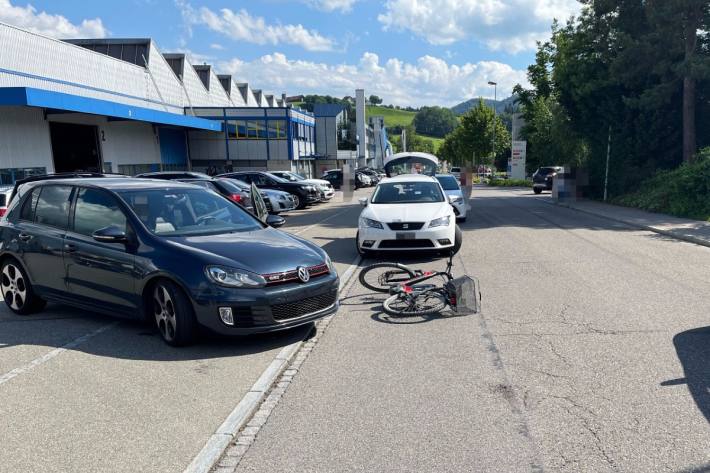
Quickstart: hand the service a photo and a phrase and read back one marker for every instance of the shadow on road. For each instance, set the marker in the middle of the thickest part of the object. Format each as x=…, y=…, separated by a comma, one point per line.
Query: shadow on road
x=693, y=349
x=131, y=340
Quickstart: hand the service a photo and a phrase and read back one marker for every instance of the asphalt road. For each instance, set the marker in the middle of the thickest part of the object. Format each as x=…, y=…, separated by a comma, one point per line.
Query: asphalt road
x=592, y=354
x=84, y=392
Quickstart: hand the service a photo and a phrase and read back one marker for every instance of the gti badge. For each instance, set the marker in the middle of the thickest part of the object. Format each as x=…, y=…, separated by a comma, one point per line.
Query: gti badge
x=303, y=274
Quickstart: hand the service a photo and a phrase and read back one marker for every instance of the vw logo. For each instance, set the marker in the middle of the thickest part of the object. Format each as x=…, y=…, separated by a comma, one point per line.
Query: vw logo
x=303, y=274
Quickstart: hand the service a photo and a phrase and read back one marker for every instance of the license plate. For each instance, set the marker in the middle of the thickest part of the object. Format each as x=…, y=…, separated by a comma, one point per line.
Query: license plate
x=405, y=236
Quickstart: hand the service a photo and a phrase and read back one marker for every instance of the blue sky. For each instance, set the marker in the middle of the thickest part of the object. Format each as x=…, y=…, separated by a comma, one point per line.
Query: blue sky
x=410, y=52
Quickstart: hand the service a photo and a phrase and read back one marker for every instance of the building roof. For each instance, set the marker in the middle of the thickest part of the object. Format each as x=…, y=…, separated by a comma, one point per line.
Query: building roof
x=327, y=109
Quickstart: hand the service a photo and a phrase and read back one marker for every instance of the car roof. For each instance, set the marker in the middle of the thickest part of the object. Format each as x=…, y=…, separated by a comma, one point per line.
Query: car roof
x=409, y=178
x=445, y=175
x=119, y=183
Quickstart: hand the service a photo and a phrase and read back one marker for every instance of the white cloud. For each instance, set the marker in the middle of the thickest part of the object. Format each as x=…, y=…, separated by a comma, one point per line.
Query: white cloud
x=216, y=46
x=510, y=25
x=428, y=81
x=241, y=26
x=56, y=26
x=332, y=5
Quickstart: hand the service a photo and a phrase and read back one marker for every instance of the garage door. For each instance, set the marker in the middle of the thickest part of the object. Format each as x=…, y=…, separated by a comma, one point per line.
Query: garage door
x=173, y=149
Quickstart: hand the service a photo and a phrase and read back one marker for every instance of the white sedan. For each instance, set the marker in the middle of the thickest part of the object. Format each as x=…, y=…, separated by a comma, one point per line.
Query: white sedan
x=453, y=191
x=407, y=212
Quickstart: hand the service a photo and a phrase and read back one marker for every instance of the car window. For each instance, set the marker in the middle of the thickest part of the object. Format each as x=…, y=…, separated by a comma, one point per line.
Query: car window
x=53, y=206
x=28, y=207
x=449, y=183
x=407, y=193
x=244, y=177
x=260, y=180
x=96, y=209
x=186, y=212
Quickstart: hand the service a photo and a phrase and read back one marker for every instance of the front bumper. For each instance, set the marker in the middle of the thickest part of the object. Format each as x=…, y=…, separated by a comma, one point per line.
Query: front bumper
x=460, y=209
x=285, y=205
x=389, y=240
x=268, y=309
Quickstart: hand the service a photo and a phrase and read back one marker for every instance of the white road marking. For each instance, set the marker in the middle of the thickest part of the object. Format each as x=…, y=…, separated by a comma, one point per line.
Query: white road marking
x=52, y=354
x=218, y=442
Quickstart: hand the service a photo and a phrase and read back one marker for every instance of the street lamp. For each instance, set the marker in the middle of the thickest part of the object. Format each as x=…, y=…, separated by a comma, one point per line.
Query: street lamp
x=495, y=119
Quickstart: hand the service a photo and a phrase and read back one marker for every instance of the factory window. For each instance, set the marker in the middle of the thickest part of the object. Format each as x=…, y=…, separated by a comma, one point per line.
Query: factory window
x=277, y=129
x=252, y=129
x=10, y=175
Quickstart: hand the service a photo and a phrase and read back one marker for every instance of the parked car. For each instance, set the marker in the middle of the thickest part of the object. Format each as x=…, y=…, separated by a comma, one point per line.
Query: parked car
x=407, y=212
x=362, y=179
x=276, y=201
x=371, y=173
x=303, y=194
x=173, y=253
x=455, y=195
x=544, y=177
x=456, y=172
x=5, y=195
x=324, y=187
x=226, y=187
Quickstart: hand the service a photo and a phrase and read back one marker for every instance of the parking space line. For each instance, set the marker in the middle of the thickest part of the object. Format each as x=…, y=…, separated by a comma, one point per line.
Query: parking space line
x=218, y=442
x=53, y=353
x=321, y=221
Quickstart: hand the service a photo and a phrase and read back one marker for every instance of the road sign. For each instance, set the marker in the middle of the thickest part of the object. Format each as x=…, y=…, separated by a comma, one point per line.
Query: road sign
x=517, y=159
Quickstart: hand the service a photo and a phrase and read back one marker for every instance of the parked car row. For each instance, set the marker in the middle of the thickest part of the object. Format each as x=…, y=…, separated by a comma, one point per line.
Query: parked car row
x=183, y=255
x=362, y=177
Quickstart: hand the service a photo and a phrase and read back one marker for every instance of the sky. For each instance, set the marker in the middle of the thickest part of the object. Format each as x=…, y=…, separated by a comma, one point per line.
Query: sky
x=409, y=52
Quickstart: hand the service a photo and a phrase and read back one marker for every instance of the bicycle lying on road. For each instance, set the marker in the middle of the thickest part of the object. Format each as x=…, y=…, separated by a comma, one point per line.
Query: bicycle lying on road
x=410, y=297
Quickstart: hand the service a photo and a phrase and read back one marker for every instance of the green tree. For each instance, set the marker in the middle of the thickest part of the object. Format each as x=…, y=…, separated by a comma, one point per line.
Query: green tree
x=472, y=140
x=375, y=100
x=434, y=121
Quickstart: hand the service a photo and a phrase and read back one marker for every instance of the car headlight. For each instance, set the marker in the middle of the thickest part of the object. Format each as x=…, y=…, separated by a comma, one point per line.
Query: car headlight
x=456, y=199
x=440, y=222
x=232, y=277
x=330, y=264
x=310, y=188
x=368, y=222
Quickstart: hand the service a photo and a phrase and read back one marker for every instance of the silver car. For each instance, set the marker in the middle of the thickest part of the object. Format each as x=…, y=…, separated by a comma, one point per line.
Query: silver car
x=278, y=201
x=455, y=195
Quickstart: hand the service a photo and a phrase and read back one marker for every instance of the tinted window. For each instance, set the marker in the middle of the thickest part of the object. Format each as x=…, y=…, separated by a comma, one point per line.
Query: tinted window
x=96, y=210
x=28, y=208
x=448, y=183
x=182, y=212
x=244, y=177
x=407, y=193
x=53, y=206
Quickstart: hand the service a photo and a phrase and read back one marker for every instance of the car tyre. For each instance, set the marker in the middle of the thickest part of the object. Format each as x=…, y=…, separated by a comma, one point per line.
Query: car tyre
x=537, y=190
x=173, y=313
x=17, y=290
x=297, y=202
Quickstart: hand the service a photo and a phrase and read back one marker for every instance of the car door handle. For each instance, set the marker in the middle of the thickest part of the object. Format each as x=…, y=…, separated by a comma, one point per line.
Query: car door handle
x=69, y=248
x=24, y=237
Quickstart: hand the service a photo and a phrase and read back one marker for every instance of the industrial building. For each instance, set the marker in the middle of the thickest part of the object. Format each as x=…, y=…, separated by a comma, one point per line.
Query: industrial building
x=120, y=105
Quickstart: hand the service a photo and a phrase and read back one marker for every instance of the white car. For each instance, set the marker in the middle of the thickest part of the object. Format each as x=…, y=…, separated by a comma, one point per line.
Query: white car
x=453, y=191
x=407, y=212
x=324, y=187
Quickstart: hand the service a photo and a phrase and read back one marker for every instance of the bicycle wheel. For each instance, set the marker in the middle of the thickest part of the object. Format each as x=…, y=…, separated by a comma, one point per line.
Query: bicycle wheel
x=426, y=303
x=379, y=277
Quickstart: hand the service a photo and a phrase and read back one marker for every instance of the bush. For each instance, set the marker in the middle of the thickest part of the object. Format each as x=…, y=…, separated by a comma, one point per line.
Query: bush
x=510, y=183
x=683, y=192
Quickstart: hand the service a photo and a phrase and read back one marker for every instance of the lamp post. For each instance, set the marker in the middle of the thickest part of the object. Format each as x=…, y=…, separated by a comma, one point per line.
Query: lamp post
x=495, y=118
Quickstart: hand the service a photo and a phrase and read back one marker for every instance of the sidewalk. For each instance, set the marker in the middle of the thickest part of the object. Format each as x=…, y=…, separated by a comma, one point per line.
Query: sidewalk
x=693, y=231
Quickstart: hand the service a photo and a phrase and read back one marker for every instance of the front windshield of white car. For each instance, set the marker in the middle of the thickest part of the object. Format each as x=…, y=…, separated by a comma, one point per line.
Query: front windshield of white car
x=407, y=193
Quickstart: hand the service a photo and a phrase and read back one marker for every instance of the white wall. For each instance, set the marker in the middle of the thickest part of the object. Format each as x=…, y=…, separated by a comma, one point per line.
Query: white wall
x=24, y=139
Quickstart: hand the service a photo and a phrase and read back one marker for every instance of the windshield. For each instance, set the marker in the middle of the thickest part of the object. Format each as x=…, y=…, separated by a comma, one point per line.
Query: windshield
x=448, y=183
x=547, y=170
x=188, y=212
x=275, y=177
x=407, y=193
x=236, y=182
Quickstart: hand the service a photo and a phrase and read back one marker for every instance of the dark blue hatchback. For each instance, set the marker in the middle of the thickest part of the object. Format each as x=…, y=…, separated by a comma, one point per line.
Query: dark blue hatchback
x=175, y=254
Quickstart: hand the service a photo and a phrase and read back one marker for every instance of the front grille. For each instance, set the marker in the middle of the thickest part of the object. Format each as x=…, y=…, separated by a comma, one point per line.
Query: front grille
x=405, y=225
x=288, y=276
x=309, y=305
x=406, y=244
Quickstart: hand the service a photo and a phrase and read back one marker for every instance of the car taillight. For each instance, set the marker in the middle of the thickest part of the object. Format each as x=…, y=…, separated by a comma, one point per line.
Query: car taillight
x=2, y=211
x=236, y=197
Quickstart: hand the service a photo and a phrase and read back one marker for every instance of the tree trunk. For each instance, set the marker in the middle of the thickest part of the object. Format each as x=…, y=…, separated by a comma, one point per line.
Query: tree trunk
x=691, y=36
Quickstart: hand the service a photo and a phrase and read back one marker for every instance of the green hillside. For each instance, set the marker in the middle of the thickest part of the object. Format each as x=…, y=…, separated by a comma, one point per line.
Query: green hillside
x=394, y=117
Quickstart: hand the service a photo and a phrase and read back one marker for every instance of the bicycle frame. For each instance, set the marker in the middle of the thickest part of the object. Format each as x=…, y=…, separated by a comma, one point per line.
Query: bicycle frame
x=410, y=284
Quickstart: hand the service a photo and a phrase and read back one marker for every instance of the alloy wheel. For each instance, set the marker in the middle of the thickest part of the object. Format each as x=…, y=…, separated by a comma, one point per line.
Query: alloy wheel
x=13, y=287
x=164, y=312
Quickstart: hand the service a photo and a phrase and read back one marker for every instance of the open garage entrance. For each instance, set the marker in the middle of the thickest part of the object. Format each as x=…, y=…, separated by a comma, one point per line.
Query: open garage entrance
x=75, y=147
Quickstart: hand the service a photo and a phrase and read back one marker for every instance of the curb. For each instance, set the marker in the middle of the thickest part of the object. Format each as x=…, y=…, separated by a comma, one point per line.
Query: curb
x=669, y=233
x=219, y=442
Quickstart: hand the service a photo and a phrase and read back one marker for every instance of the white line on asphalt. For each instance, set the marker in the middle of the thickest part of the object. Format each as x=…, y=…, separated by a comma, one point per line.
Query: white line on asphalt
x=52, y=354
x=238, y=418
x=321, y=221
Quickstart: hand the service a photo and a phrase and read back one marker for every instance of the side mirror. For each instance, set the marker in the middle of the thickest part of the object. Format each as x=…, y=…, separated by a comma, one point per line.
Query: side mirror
x=275, y=221
x=363, y=201
x=110, y=234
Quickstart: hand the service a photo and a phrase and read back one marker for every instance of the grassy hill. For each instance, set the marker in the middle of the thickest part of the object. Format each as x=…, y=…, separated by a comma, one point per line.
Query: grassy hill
x=394, y=117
